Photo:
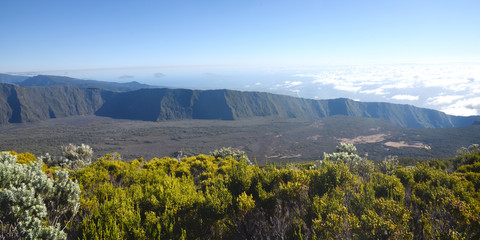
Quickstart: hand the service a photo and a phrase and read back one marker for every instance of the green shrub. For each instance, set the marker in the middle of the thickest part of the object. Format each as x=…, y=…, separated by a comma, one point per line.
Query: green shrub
x=35, y=205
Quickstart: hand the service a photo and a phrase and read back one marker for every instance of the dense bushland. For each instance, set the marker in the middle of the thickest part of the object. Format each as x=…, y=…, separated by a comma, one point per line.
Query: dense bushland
x=222, y=196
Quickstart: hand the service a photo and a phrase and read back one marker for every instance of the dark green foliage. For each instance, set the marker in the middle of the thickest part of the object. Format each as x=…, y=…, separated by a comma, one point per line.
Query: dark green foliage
x=329, y=177
x=387, y=187
x=208, y=197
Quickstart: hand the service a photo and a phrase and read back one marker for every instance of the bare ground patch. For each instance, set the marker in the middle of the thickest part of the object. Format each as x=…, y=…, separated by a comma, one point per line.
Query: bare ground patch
x=313, y=138
x=279, y=156
x=404, y=144
x=364, y=139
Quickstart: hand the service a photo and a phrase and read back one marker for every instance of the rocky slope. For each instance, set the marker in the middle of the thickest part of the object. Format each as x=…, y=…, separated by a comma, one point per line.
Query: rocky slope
x=25, y=104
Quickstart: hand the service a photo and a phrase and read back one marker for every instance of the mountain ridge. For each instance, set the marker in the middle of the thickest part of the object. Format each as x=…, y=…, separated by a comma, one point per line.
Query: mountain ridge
x=25, y=104
x=50, y=80
x=11, y=79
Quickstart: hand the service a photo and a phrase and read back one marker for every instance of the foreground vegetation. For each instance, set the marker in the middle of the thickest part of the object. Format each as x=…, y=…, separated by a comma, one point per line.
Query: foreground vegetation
x=224, y=196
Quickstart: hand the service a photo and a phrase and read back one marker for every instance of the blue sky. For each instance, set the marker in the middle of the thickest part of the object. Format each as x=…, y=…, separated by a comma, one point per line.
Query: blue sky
x=313, y=49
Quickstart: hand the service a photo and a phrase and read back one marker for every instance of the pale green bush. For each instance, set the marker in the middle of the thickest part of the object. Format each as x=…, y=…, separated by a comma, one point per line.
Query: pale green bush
x=388, y=165
x=347, y=153
x=34, y=205
x=76, y=157
x=471, y=149
x=229, y=152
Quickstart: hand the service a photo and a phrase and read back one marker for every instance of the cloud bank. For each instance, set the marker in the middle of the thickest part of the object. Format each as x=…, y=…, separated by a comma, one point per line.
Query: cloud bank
x=406, y=97
x=158, y=75
x=452, y=88
x=126, y=77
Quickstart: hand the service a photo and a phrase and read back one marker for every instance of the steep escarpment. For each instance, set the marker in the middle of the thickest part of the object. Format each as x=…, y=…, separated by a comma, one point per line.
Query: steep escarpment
x=24, y=104
x=256, y=104
x=27, y=104
x=150, y=105
x=9, y=104
x=250, y=104
x=212, y=104
x=173, y=104
x=409, y=116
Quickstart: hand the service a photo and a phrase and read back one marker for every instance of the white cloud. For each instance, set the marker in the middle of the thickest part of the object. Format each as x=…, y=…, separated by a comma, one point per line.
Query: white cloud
x=399, y=85
x=442, y=85
x=296, y=83
x=442, y=100
x=347, y=88
x=376, y=91
x=464, y=107
x=125, y=77
x=406, y=97
x=472, y=103
x=451, y=77
x=460, y=111
x=158, y=75
x=289, y=84
x=285, y=85
x=297, y=92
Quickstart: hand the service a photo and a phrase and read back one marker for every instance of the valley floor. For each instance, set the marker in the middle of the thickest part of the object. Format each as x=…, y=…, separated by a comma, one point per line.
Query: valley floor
x=263, y=139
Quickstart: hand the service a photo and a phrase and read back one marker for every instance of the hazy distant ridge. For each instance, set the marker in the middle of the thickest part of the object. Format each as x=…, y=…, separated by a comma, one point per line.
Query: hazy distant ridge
x=25, y=104
x=47, y=80
x=7, y=78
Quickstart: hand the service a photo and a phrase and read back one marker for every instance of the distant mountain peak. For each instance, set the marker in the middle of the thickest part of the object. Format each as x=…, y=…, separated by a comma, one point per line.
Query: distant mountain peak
x=12, y=79
x=49, y=80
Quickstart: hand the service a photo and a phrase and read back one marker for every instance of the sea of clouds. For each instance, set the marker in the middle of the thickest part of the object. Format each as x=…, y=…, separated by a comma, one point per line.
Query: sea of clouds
x=451, y=88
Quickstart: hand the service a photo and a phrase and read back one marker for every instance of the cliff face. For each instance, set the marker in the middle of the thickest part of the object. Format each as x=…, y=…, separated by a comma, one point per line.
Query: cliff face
x=22, y=104
x=172, y=104
x=25, y=104
x=150, y=105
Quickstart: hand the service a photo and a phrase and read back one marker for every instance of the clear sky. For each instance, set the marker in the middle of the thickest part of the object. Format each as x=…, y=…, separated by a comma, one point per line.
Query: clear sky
x=253, y=45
